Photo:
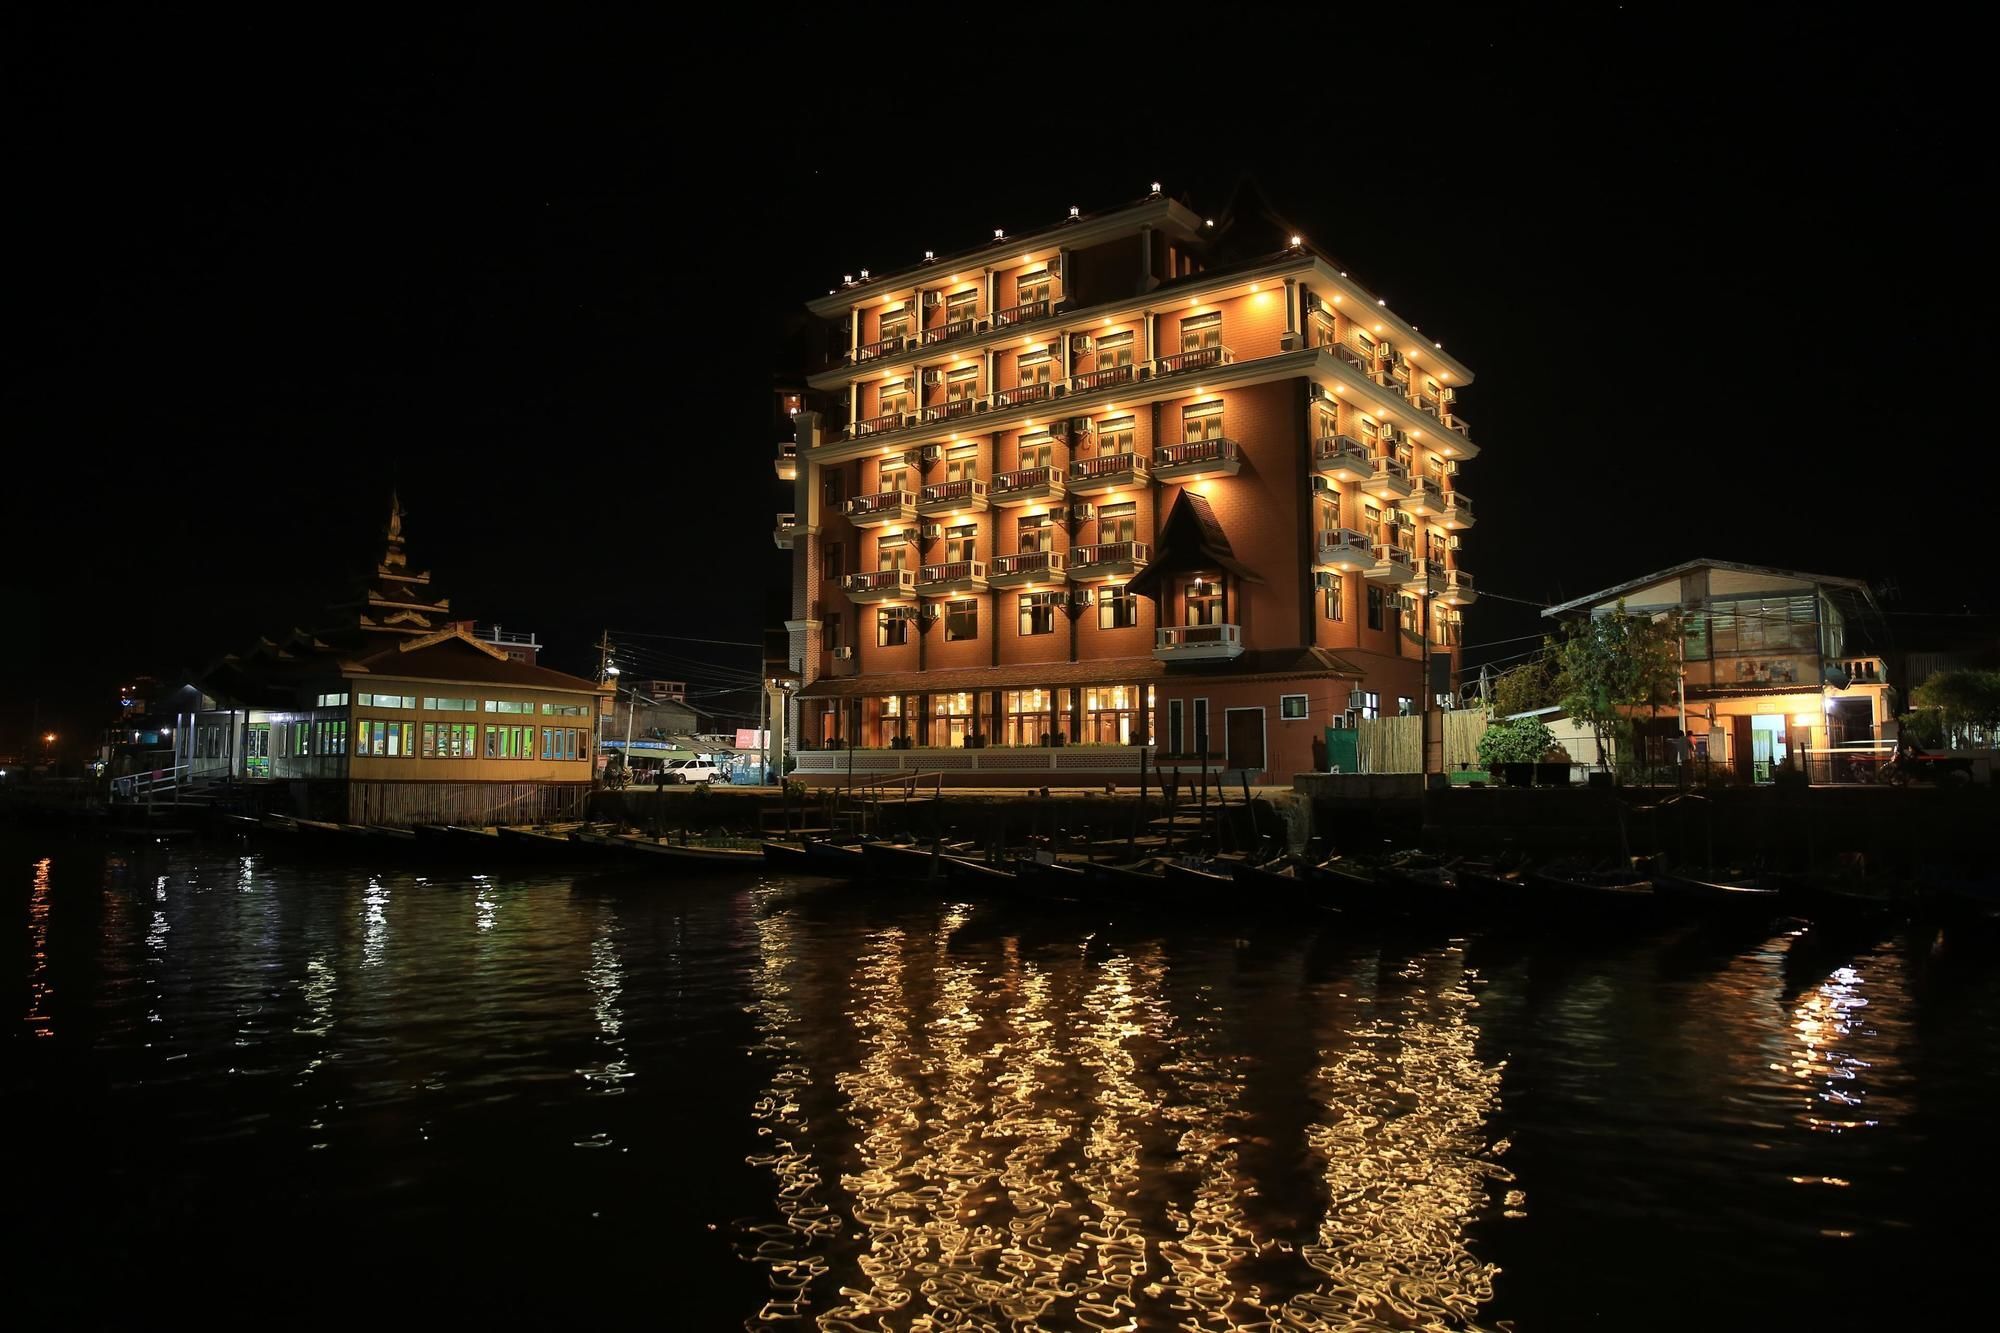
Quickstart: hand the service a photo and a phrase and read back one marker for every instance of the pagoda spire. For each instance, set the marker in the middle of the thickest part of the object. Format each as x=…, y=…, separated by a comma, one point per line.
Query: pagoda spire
x=394, y=557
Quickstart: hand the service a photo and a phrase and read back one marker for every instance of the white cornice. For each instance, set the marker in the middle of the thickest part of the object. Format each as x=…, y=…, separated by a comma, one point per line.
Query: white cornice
x=1066, y=234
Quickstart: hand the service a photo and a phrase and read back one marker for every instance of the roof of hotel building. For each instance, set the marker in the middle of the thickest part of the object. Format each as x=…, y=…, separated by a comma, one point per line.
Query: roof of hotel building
x=1689, y=566
x=1261, y=664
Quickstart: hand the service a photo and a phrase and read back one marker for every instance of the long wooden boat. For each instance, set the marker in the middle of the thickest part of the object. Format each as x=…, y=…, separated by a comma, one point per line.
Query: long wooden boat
x=790, y=856
x=1279, y=886
x=900, y=861
x=1571, y=887
x=981, y=878
x=1716, y=893
x=538, y=844
x=400, y=837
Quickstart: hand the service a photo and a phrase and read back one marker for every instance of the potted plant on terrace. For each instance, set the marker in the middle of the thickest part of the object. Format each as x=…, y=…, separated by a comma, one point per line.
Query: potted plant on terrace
x=1511, y=748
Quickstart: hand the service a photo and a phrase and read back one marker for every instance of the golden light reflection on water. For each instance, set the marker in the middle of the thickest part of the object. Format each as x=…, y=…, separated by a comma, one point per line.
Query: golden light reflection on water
x=1406, y=1160
x=1830, y=1025
x=39, y=1021
x=791, y=1250
x=1054, y=1142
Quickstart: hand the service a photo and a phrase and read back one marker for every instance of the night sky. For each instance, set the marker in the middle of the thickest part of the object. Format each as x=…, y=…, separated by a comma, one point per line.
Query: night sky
x=1725, y=286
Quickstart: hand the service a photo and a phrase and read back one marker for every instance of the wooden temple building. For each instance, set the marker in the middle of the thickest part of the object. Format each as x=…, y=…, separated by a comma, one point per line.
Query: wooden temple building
x=393, y=713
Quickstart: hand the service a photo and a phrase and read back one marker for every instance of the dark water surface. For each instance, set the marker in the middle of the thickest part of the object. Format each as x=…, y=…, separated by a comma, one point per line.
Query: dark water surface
x=250, y=1089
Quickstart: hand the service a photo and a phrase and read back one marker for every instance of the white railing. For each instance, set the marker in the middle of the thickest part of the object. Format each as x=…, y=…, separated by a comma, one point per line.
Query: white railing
x=133, y=786
x=1346, y=546
x=1176, y=637
x=1002, y=759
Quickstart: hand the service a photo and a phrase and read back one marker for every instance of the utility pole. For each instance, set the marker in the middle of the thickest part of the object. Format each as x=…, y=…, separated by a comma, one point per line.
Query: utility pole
x=606, y=670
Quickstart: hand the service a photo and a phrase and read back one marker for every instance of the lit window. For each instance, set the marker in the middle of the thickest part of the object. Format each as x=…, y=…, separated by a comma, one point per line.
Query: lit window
x=1292, y=707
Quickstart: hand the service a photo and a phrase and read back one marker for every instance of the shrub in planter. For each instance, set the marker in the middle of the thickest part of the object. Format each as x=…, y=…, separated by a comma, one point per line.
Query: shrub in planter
x=1523, y=740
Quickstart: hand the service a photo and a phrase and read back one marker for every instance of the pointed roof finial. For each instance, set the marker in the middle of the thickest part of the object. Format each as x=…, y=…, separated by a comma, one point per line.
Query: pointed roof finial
x=395, y=517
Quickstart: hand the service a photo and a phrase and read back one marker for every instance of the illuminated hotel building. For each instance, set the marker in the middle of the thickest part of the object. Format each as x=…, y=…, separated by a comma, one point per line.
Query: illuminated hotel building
x=1139, y=478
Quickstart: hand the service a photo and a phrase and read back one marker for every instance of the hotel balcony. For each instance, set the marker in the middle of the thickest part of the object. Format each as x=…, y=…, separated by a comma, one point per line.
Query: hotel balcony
x=1107, y=472
x=875, y=425
x=788, y=526
x=1108, y=560
x=1197, y=643
x=1021, y=314
x=943, y=333
x=967, y=496
x=1393, y=565
x=1426, y=497
x=956, y=576
x=1457, y=589
x=881, y=585
x=1456, y=511
x=1201, y=358
x=1023, y=394
x=1105, y=378
x=952, y=409
x=1453, y=421
x=787, y=461
x=874, y=511
x=1344, y=548
x=1361, y=362
x=1389, y=481
x=1029, y=485
x=876, y=350
x=1011, y=571
x=1342, y=457
x=1196, y=458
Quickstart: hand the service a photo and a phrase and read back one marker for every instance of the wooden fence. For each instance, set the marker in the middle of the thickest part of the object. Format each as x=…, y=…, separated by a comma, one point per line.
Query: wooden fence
x=1396, y=744
x=403, y=803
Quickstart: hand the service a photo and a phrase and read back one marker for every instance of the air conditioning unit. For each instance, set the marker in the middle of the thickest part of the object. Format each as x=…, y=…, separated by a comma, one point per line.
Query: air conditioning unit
x=930, y=453
x=933, y=299
x=1080, y=512
x=1055, y=266
x=930, y=531
x=933, y=377
x=843, y=654
x=1314, y=393
x=1080, y=344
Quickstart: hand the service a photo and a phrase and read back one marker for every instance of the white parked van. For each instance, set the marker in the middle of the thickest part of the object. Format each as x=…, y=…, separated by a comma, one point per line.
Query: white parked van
x=692, y=770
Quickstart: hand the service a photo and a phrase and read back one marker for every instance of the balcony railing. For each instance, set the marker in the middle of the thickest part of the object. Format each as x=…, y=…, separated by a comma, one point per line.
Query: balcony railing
x=875, y=425
x=1344, y=548
x=1457, y=508
x=1217, y=450
x=1355, y=357
x=1390, y=474
x=1458, y=423
x=880, y=580
x=1342, y=453
x=1389, y=554
x=887, y=502
x=945, y=332
x=787, y=527
x=1026, y=479
x=1425, y=494
x=1198, y=641
x=1021, y=314
x=1457, y=588
x=1199, y=358
x=966, y=491
x=1110, y=553
x=1105, y=465
x=1103, y=378
x=1430, y=405
x=950, y=410
x=952, y=571
x=881, y=347
x=1029, y=562
x=1039, y=392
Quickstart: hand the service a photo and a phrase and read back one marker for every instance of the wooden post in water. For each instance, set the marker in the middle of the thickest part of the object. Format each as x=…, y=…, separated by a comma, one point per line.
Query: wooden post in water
x=1139, y=814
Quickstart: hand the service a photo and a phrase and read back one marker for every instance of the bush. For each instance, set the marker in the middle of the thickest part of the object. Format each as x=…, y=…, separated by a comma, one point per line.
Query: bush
x=1524, y=740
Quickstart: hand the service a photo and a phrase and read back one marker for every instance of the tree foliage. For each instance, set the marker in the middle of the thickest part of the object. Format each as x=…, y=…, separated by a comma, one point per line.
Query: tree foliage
x=1522, y=740
x=1606, y=666
x=1967, y=701
x=1525, y=688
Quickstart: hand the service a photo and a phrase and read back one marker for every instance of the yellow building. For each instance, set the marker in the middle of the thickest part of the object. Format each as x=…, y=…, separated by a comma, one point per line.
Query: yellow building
x=1782, y=668
x=395, y=715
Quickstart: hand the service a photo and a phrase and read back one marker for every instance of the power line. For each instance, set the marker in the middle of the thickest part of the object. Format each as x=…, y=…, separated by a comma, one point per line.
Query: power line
x=686, y=638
